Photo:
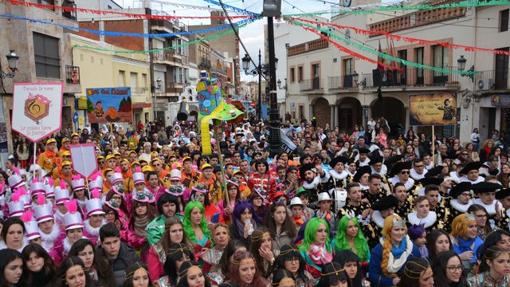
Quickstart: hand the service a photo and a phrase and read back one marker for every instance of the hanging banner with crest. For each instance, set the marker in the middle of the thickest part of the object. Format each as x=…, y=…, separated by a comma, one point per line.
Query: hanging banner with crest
x=37, y=109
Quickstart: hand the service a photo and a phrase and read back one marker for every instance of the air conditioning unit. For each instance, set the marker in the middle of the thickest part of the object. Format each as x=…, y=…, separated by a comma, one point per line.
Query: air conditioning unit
x=485, y=84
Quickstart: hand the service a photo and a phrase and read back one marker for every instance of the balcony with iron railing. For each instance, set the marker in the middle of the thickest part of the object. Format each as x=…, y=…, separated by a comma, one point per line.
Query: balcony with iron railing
x=166, y=24
x=409, y=77
x=174, y=87
x=310, y=85
x=344, y=82
x=170, y=56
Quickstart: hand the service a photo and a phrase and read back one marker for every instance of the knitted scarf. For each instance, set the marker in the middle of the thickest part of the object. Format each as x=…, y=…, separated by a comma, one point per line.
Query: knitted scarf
x=140, y=224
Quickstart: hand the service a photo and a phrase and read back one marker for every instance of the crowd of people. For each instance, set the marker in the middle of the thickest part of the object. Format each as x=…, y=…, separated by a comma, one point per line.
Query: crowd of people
x=342, y=209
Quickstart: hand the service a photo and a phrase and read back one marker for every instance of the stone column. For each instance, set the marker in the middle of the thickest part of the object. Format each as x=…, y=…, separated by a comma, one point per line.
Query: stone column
x=332, y=116
x=364, y=115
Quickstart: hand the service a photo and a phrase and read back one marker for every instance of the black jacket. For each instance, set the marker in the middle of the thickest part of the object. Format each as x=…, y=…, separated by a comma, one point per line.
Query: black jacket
x=126, y=258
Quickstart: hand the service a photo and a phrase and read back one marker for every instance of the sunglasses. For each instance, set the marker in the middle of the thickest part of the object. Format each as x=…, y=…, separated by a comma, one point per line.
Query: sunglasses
x=404, y=172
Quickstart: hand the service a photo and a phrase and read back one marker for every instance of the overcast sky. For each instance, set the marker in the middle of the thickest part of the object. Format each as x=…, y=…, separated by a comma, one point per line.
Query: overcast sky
x=251, y=35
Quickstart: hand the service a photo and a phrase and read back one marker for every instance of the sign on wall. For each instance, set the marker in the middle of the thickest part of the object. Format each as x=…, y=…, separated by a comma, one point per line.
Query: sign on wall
x=37, y=109
x=433, y=110
x=109, y=105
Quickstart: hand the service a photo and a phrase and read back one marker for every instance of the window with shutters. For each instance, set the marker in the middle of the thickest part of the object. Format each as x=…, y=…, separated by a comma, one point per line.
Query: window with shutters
x=47, y=57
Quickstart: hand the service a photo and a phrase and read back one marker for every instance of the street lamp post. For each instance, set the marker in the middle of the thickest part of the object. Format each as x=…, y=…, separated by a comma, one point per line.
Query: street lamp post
x=257, y=71
x=272, y=8
x=462, y=66
x=12, y=63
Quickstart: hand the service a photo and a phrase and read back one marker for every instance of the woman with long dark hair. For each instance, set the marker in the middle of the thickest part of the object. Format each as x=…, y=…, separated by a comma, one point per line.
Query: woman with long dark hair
x=156, y=257
x=280, y=225
x=137, y=276
x=243, y=271
x=283, y=278
x=448, y=270
x=333, y=275
x=96, y=266
x=11, y=268
x=437, y=241
x=350, y=262
x=12, y=234
x=38, y=267
x=262, y=249
x=289, y=259
x=177, y=254
x=191, y=275
x=226, y=258
x=71, y=273
x=494, y=269
x=417, y=272
x=142, y=213
x=499, y=238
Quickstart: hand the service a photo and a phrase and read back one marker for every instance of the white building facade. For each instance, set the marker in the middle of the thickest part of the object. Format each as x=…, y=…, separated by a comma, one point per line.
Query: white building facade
x=341, y=90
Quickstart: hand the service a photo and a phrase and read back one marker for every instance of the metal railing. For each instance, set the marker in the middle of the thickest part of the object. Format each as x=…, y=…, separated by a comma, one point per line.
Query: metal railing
x=72, y=74
x=408, y=77
x=344, y=82
x=310, y=85
x=174, y=87
x=171, y=56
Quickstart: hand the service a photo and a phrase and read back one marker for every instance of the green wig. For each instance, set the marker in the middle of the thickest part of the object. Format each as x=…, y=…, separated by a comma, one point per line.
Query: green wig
x=360, y=242
x=310, y=231
x=187, y=226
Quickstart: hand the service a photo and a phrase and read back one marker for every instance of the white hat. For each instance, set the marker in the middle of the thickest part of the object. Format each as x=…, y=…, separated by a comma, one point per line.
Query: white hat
x=50, y=190
x=175, y=174
x=37, y=187
x=72, y=219
x=27, y=200
x=138, y=177
x=61, y=195
x=94, y=206
x=116, y=178
x=31, y=228
x=97, y=183
x=43, y=212
x=15, y=181
x=296, y=201
x=16, y=208
x=78, y=183
x=324, y=196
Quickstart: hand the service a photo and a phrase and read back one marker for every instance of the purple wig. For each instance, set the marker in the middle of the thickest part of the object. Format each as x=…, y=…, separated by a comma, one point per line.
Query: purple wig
x=241, y=207
x=416, y=231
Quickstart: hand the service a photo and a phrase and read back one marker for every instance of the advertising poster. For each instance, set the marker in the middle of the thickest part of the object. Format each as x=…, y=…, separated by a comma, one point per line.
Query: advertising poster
x=37, y=109
x=433, y=110
x=109, y=105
